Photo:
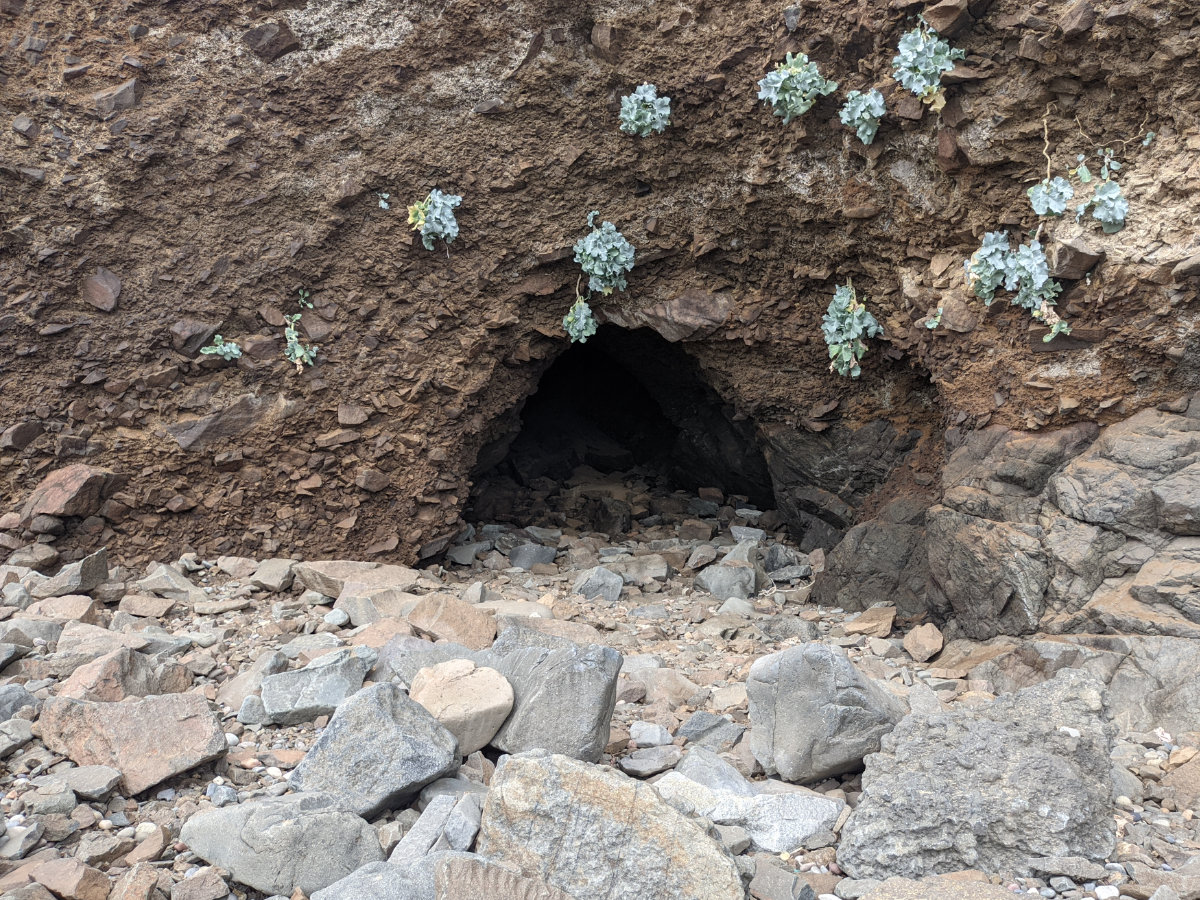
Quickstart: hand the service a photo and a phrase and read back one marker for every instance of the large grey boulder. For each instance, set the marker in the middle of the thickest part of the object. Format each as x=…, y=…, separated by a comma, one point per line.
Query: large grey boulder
x=1027, y=776
x=727, y=580
x=599, y=582
x=563, y=699
x=74, y=578
x=12, y=698
x=388, y=881
x=379, y=748
x=813, y=714
x=301, y=695
x=305, y=841
x=597, y=834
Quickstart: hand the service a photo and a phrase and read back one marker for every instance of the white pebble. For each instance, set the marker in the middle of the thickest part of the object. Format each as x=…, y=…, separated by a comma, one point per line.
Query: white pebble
x=1107, y=892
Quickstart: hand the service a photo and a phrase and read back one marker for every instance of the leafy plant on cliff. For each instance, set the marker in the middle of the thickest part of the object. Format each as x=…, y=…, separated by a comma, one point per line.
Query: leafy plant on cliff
x=644, y=112
x=845, y=324
x=297, y=351
x=579, y=323
x=605, y=256
x=920, y=60
x=1023, y=271
x=227, y=350
x=794, y=86
x=862, y=113
x=434, y=218
x=1051, y=196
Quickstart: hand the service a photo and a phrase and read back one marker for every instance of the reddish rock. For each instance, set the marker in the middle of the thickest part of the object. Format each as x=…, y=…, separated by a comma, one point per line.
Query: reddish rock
x=151, y=847
x=20, y=436
x=924, y=642
x=72, y=880
x=271, y=41
x=139, y=883
x=102, y=290
x=76, y=607
x=448, y=617
x=125, y=673
x=148, y=740
x=77, y=490
x=145, y=605
x=1077, y=20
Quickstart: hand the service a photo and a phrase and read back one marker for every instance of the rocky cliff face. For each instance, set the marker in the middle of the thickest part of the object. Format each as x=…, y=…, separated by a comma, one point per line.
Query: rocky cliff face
x=175, y=170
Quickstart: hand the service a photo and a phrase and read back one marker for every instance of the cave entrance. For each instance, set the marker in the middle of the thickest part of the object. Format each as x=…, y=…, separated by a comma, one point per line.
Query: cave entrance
x=623, y=402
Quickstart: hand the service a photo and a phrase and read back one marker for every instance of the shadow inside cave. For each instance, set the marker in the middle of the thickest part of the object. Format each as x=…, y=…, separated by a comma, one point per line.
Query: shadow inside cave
x=624, y=401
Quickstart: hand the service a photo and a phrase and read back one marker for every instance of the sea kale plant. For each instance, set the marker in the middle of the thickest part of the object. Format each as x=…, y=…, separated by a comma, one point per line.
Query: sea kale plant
x=644, y=112
x=794, y=86
x=920, y=60
x=862, y=113
x=1023, y=271
x=1108, y=205
x=605, y=257
x=434, y=218
x=579, y=322
x=297, y=351
x=846, y=322
x=227, y=350
x=1051, y=196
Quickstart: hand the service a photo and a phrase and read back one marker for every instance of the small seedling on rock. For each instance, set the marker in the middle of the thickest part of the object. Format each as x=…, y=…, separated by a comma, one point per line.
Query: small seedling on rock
x=794, y=86
x=227, y=350
x=644, y=112
x=846, y=322
x=296, y=351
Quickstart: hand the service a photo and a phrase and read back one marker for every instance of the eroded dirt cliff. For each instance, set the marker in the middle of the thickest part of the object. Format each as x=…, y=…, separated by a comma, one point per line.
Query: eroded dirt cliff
x=151, y=140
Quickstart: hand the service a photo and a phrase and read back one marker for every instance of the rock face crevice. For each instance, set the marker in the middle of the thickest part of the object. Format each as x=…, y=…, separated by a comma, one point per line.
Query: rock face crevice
x=182, y=170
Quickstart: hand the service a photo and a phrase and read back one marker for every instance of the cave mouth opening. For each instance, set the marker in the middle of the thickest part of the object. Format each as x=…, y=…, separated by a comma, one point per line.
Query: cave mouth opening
x=627, y=402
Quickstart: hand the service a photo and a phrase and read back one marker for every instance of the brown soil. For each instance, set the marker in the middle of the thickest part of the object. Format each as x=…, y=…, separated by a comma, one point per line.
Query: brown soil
x=232, y=183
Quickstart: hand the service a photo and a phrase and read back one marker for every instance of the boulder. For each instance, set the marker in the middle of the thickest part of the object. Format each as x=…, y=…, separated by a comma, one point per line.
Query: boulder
x=74, y=578
x=75, y=490
x=725, y=581
x=471, y=702
x=563, y=699
x=282, y=844
x=813, y=714
x=14, y=697
x=379, y=748
x=72, y=880
x=526, y=556
x=1027, y=776
x=249, y=681
x=599, y=582
x=125, y=673
x=448, y=618
x=303, y=694
x=328, y=577
x=775, y=822
x=148, y=740
x=924, y=642
x=592, y=832
x=457, y=877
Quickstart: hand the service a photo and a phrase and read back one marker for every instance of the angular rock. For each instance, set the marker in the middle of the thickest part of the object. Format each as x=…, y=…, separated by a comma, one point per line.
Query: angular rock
x=874, y=622
x=88, y=782
x=118, y=98
x=281, y=844
x=14, y=734
x=647, y=761
x=726, y=581
x=775, y=822
x=448, y=618
x=592, y=832
x=234, y=691
x=148, y=740
x=924, y=642
x=599, y=582
x=270, y=41
x=75, y=490
x=39, y=557
x=563, y=699
x=248, y=412
x=167, y=581
x=145, y=605
x=125, y=673
x=205, y=884
x=471, y=702
x=379, y=748
x=74, y=578
x=273, y=575
x=102, y=290
x=301, y=695
x=526, y=556
x=328, y=577
x=72, y=880
x=14, y=697
x=1028, y=775
x=937, y=889
x=813, y=714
